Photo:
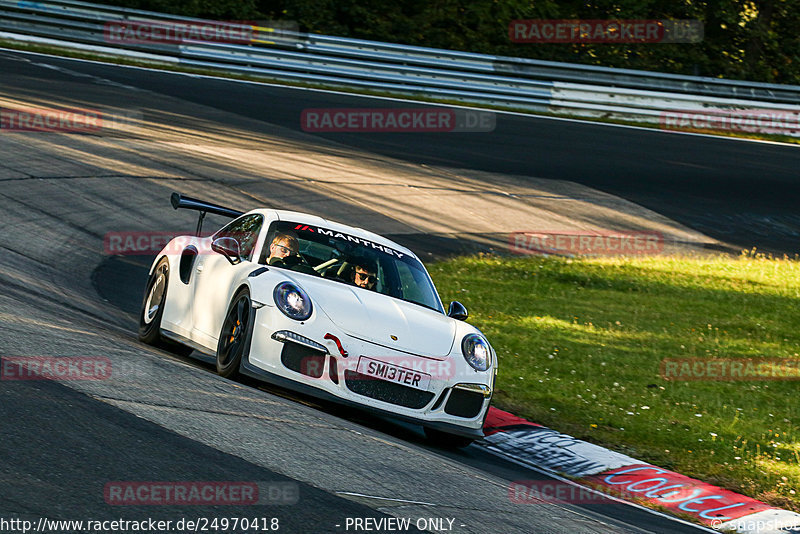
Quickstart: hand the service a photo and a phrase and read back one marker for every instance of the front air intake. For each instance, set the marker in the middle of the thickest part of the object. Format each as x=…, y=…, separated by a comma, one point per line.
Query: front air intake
x=463, y=403
x=385, y=391
x=303, y=360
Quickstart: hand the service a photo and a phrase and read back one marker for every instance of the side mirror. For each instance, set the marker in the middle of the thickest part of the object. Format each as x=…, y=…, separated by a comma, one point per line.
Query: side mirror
x=457, y=311
x=228, y=247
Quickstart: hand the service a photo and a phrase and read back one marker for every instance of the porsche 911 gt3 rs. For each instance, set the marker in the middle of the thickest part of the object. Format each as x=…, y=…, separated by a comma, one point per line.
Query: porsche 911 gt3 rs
x=323, y=308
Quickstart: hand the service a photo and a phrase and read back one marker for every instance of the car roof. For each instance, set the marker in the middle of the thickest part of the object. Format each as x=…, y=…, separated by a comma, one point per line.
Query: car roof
x=307, y=218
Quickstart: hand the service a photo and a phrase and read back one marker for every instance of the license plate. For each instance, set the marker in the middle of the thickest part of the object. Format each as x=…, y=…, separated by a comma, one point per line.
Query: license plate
x=393, y=373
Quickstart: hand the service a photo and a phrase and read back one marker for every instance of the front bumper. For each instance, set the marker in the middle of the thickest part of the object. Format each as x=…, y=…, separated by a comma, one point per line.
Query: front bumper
x=306, y=357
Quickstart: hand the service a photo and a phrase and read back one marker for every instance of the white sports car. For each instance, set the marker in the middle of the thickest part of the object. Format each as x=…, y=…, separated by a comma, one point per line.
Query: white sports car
x=323, y=308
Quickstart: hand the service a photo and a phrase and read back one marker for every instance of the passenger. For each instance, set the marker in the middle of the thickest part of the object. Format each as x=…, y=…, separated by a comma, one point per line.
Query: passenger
x=364, y=276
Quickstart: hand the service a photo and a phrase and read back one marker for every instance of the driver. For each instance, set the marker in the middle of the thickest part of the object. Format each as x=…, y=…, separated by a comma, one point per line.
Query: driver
x=282, y=246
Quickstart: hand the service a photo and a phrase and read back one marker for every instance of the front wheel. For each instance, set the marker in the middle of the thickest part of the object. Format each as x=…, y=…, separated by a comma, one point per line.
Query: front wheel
x=445, y=440
x=235, y=335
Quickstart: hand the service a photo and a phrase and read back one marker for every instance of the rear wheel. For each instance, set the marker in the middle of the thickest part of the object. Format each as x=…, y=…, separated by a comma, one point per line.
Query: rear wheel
x=235, y=335
x=155, y=295
x=446, y=440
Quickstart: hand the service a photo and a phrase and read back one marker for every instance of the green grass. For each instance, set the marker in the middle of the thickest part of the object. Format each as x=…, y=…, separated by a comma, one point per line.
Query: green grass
x=580, y=341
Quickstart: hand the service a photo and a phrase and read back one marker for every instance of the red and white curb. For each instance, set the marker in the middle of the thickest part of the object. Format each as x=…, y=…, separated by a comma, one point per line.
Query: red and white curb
x=617, y=474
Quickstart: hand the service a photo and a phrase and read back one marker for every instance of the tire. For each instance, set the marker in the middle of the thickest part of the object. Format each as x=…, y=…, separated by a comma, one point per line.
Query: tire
x=444, y=440
x=155, y=295
x=234, y=338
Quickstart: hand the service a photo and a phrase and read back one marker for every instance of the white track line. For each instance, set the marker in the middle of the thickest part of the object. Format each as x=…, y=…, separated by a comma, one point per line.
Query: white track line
x=383, y=498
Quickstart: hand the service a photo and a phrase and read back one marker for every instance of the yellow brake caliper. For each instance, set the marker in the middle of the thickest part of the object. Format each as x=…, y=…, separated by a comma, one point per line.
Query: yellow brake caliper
x=233, y=334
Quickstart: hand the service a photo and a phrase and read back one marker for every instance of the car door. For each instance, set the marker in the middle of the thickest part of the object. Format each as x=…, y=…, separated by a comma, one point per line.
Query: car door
x=214, y=275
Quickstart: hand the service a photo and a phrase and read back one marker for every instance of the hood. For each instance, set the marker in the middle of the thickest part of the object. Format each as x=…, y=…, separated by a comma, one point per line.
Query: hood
x=375, y=318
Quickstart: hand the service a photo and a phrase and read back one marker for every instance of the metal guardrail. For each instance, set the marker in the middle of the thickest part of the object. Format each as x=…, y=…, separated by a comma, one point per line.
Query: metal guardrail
x=578, y=90
x=554, y=71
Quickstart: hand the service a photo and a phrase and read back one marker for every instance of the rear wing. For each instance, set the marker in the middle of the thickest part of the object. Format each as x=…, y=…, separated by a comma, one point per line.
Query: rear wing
x=179, y=201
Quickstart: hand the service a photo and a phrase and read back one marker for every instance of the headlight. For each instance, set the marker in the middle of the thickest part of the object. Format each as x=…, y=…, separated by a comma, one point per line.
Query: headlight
x=292, y=301
x=476, y=351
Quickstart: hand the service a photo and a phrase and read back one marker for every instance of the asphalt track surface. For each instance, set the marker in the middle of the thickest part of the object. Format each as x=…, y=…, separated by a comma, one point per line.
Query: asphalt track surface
x=165, y=418
x=739, y=192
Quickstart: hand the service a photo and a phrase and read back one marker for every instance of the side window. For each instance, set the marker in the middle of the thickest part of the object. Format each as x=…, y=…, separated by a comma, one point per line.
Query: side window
x=244, y=230
x=409, y=283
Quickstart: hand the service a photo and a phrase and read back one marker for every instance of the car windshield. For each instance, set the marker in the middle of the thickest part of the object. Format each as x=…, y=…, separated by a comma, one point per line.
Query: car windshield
x=348, y=259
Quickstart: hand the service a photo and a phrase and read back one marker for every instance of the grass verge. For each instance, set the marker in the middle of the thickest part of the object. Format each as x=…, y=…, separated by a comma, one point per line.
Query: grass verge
x=580, y=344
